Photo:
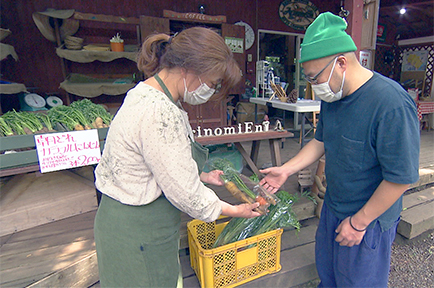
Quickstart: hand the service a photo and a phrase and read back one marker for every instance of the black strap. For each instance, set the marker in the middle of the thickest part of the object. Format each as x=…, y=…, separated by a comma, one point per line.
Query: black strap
x=166, y=91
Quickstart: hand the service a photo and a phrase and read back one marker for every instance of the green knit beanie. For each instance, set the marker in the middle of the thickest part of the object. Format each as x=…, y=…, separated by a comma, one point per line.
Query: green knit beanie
x=326, y=36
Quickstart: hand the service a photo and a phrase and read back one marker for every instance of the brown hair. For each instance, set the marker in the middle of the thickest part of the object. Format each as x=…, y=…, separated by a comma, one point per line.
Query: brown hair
x=198, y=49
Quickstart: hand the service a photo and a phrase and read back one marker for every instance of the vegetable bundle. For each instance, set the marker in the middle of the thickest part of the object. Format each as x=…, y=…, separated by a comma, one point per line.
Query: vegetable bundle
x=94, y=113
x=243, y=188
x=80, y=115
x=22, y=123
x=279, y=216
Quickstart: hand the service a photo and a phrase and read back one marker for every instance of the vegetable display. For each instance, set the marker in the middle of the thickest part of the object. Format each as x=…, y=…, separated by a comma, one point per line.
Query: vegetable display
x=80, y=115
x=94, y=113
x=73, y=119
x=22, y=123
x=280, y=215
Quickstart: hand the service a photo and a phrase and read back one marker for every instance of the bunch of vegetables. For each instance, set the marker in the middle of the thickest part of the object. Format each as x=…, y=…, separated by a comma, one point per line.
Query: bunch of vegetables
x=22, y=123
x=94, y=113
x=243, y=188
x=80, y=115
x=280, y=215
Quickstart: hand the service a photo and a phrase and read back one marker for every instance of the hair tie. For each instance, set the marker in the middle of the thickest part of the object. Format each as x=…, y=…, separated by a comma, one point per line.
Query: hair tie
x=171, y=37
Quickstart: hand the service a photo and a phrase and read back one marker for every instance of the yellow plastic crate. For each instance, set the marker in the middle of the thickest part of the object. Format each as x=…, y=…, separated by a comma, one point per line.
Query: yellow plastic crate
x=235, y=263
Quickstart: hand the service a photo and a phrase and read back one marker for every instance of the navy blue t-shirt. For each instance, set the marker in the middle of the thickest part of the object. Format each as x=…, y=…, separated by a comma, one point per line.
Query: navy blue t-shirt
x=369, y=136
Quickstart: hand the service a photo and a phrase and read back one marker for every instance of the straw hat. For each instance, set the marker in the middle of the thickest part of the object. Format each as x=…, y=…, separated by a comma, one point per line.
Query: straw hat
x=4, y=33
x=73, y=43
x=45, y=23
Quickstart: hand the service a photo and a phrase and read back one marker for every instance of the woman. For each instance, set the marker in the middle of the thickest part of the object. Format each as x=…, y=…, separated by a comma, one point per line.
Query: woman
x=147, y=173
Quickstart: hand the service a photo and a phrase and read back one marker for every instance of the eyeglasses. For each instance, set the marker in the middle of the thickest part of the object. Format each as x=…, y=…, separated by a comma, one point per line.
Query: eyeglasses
x=217, y=87
x=314, y=79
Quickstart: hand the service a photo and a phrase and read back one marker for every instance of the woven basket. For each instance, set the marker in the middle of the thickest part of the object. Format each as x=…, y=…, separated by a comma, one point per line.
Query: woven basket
x=74, y=43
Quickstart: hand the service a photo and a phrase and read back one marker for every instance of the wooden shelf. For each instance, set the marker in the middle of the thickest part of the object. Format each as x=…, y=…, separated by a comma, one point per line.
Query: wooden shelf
x=88, y=56
x=85, y=86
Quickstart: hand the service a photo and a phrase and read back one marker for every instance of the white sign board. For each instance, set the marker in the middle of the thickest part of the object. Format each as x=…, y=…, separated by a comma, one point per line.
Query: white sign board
x=65, y=150
x=365, y=59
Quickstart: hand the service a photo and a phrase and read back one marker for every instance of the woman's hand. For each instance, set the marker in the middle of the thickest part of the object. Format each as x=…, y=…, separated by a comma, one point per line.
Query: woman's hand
x=246, y=210
x=213, y=177
x=243, y=210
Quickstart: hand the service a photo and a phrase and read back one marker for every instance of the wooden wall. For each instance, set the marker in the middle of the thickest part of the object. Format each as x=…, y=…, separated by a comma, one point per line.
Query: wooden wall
x=39, y=66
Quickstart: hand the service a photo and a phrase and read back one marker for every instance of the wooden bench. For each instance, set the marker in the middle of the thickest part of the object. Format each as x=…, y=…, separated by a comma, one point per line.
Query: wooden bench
x=274, y=138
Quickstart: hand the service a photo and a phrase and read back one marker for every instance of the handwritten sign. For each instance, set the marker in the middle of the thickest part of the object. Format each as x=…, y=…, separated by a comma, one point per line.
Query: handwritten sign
x=59, y=151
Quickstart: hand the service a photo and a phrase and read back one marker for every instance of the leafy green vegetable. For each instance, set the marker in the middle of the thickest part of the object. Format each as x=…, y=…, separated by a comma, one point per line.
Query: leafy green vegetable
x=92, y=111
x=5, y=129
x=22, y=122
x=231, y=174
x=45, y=120
x=279, y=216
x=254, y=178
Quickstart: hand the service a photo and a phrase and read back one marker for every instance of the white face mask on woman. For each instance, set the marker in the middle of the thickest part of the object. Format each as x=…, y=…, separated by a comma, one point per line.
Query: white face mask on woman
x=323, y=90
x=199, y=96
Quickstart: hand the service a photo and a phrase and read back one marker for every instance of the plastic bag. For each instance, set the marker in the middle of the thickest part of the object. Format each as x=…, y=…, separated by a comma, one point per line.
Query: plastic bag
x=279, y=216
x=241, y=187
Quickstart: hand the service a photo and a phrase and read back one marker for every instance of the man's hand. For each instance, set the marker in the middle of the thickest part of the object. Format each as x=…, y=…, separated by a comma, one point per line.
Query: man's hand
x=274, y=179
x=347, y=236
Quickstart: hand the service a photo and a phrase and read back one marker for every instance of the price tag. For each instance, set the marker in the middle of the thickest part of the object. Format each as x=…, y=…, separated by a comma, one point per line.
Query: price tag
x=65, y=150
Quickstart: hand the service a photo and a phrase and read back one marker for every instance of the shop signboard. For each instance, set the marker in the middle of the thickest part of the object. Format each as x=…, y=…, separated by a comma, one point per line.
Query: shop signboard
x=381, y=32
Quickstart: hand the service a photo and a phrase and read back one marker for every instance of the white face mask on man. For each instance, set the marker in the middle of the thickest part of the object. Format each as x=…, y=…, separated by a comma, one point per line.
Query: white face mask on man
x=199, y=96
x=323, y=90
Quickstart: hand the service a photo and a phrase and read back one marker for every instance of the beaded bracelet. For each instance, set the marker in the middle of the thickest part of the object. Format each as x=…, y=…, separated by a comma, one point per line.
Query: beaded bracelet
x=358, y=230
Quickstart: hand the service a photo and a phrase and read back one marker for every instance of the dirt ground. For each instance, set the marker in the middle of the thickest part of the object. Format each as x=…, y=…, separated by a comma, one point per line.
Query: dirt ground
x=412, y=261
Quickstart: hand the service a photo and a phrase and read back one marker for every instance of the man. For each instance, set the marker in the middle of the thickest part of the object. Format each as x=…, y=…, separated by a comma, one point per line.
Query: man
x=369, y=132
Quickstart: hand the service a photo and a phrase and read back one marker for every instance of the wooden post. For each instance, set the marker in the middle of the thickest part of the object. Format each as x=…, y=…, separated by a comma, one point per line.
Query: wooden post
x=355, y=21
x=59, y=43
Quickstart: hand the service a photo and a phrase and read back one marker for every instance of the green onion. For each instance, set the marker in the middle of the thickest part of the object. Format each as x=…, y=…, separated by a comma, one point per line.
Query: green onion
x=5, y=129
x=279, y=216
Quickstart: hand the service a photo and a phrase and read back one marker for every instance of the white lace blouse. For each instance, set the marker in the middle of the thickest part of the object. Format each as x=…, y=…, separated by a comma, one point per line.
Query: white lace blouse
x=148, y=152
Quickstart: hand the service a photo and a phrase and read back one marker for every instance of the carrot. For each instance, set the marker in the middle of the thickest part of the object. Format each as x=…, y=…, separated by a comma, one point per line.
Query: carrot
x=237, y=193
x=240, y=195
x=261, y=200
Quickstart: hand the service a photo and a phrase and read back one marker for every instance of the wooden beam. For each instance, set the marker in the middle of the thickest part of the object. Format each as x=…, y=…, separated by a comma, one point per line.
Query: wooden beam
x=194, y=17
x=105, y=18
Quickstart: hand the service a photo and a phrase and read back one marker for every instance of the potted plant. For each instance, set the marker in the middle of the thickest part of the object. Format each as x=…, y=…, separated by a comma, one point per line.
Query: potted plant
x=117, y=43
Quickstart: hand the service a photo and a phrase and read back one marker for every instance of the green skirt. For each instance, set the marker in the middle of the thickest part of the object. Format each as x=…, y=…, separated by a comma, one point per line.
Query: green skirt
x=137, y=246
